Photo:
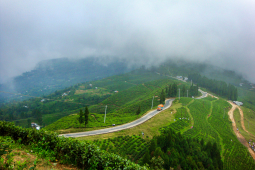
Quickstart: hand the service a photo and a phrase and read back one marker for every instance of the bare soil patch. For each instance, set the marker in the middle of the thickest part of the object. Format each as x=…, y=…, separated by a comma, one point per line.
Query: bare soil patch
x=239, y=136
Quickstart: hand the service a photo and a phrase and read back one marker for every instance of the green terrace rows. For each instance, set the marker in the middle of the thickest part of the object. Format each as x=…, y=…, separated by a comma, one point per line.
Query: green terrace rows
x=211, y=124
x=200, y=110
x=130, y=147
x=235, y=155
x=182, y=120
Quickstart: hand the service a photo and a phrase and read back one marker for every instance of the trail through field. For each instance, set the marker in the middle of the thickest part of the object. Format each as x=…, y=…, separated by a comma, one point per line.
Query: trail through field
x=239, y=136
x=242, y=121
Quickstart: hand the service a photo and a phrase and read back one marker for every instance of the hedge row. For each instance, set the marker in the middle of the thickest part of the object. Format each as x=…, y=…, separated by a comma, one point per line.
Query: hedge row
x=67, y=150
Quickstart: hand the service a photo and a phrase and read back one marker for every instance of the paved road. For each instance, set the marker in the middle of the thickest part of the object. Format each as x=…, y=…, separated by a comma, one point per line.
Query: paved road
x=121, y=127
x=204, y=94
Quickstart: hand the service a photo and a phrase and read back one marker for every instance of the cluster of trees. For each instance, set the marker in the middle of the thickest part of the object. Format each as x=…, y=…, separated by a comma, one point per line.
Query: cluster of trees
x=220, y=88
x=84, y=117
x=172, y=150
x=172, y=91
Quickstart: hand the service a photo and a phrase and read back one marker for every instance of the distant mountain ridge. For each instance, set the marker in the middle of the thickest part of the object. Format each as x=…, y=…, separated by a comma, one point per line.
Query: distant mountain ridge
x=51, y=75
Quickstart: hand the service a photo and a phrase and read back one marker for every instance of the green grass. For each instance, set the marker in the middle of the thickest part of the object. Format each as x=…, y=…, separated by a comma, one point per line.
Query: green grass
x=121, y=107
x=249, y=120
x=237, y=118
x=234, y=151
x=150, y=127
x=215, y=128
x=130, y=147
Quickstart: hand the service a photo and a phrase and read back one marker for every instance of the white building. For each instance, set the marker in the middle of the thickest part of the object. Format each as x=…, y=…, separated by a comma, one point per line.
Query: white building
x=35, y=125
x=238, y=103
x=64, y=94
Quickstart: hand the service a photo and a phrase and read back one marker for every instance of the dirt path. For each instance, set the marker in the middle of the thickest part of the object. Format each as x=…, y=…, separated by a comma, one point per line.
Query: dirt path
x=242, y=121
x=239, y=136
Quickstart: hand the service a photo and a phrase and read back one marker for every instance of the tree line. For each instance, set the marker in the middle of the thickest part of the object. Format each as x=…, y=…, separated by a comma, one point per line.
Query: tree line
x=172, y=91
x=171, y=150
x=84, y=117
x=220, y=88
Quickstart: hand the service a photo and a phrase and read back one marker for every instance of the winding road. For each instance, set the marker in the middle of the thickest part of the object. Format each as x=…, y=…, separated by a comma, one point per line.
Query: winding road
x=204, y=94
x=121, y=127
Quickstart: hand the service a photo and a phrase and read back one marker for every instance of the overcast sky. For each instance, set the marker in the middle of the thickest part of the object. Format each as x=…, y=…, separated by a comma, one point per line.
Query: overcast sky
x=213, y=31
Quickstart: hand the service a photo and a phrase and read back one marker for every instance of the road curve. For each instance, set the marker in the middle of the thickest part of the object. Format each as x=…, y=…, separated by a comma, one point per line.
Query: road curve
x=121, y=127
x=204, y=94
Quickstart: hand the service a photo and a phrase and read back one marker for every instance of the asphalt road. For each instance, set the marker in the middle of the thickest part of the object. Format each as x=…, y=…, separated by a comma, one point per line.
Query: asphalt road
x=121, y=127
x=204, y=94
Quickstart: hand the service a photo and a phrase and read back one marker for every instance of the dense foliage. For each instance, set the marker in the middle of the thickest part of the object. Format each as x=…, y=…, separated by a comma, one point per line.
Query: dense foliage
x=130, y=147
x=66, y=150
x=218, y=87
x=176, y=151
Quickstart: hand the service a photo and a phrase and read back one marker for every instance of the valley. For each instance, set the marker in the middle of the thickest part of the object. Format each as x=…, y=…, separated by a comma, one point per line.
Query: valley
x=123, y=121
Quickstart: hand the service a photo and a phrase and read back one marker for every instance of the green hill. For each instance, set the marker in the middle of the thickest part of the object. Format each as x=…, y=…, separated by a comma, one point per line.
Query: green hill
x=46, y=110
x=121, y=106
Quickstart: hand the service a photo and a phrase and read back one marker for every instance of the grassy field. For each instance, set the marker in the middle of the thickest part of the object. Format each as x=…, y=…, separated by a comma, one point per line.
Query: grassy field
x=249, y=119
x=150, y=127
x=246, y=135
x=121, y=107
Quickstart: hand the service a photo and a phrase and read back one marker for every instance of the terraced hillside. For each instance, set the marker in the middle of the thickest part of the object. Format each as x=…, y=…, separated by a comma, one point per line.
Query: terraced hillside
x=211, y=124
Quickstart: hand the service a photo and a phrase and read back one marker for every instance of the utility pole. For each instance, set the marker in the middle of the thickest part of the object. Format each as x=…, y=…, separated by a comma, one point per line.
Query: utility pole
x=179, y=94
x=181, y=115
x=187, y=93
x=105, y=113
x=152, y=102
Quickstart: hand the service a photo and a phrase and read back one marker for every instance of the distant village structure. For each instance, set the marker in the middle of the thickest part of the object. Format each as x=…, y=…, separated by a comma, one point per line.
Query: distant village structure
x=35, y=126
x=238, y=103
x=183, y=78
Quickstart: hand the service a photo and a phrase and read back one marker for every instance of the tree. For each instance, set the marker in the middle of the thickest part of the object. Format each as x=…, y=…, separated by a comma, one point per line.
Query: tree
x=38, y=115
x=183, y=91
x=146, y=157
x=153, y=146
x=162, y=97
x=138, y=110
x=86, y=116
x=28, y=123
x=174, y=90
x=81, y=119
x=170, y=91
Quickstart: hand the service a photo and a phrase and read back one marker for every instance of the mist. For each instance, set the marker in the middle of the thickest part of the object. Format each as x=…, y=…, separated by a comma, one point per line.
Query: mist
x=221, y=33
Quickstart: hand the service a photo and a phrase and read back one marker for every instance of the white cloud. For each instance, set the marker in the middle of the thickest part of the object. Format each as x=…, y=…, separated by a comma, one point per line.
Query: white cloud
x=219, y=32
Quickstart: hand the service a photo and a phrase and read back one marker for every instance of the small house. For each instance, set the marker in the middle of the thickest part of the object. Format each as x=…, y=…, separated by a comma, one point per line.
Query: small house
x=35, y=126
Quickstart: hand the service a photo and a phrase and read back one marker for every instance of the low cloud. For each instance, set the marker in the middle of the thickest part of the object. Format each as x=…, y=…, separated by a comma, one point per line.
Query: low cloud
x=147, y=32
